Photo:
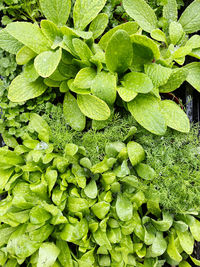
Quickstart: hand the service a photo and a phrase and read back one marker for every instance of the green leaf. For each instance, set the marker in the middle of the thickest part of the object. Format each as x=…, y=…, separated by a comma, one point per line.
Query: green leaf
x=72, y=113
x=85, y=78
x=158, y=247
x=190, y=18
x=145, y=109
x=77, y=204
x=135, y=152
x=195, y=230
x=99, y=25
x=104, y=87
x=30, y=73
x=93, y=107
x=142, y=13
x=184, y=264
x=91, y=189
x=5, y=176
x=197, y=262
x=47, y=62
x=56, y=10
x=158, y=35
x=194, y=74
x=172, y=250
x=165, y=224
x=174, y=116
x=21, y=90
x=100, y=209
x=145, y=171
x=82, y=50
x=38, y=215
x=9, y=43
x=48, y=254
x=137, y=82
x=124, y=208
x=158, y=74
x=51, y=178
x=170, y=11
x=65, y=254
x=177, y=77
x=181, y=52
x=175, y=32
x=119, y=52
x=30, y=35
x=194, y=41
x=24, y=55
x=40, y=126
x=52, y=32
x=126, y=94
x=85, y=11
x=186, y=241
x=130, y=27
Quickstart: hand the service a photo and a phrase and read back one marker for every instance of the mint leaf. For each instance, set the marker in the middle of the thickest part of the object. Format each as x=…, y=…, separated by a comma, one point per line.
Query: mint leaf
x=56, y=10
x=119, y=52
x=142, y=13
x=145, y=109
x=85, y=11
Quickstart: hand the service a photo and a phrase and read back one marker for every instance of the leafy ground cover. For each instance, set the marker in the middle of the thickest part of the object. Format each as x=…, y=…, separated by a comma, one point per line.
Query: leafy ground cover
x=97, y=168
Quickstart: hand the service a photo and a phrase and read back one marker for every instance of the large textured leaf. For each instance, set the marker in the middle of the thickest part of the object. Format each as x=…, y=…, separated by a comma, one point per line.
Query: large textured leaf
x=98, y=25
x=82, y=50
x=126, y=94
x=40, y=126
x=186, y=241
x=48, y=254
x=47, y=62
x=142, y=13
x=85, y=11
x=195, y=230
x=158, y=74
x=165, y=224
x=85, y=78
x=172, y=249
x=137, y=82
x=130, y=27
x=24, y=55
x=190, y=19
x=177, y=77
x=194, y=74
x=175, y=32
x=52, y=32
x=30, y=35
x=119, y=52
x=9, y=43
x=21, y=90
x=136, y=153
x=93, y=107
x=124, y=208
x=170, y=11
x=72, y=113
x=175, y=117
x=104, y=87
x=145, y=109
x=56, y=10
x=158, y=247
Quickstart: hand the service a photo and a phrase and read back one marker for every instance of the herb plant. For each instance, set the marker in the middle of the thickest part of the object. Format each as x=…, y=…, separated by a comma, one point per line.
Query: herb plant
x=67, y=58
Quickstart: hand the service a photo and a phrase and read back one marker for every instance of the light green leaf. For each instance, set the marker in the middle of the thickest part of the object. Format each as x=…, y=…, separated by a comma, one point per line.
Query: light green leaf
x=56, y=10
x=82, y=50
x=5, y=176
x=24, y=55
x=174, y=116
x=194, y=74
x=181, y=53
x=170, y=11
x=126, y=94
x=48, y=254
x=30, y=73
x=72, y=113
x=104, y=87
x=130, y=27
x=137, y=82
x=197, y=262
x=99, y=25
x=176, y=32
x=76, y=89
x=52, y=32
x=186, y=241
x=85, y=78
x=91, y=189
x=124, y=208
x=177, y=77
x=195, y=230
x=38, y=215
x=142, y=13
x=30, y=35
x=165, y=224
x=135, y=152
x=172, y=250
x=190, y=18
x=100, y=209
x=75, y=33
x=21, y=90
x=51, y=178
x=65, y=253
x=158, y=74
x=85, y=11
x=194, y=41
x=9, y=43
x=158, y=35
x=47, y=62
x=119, y=52
x=184, y=264
x=145, y=109
x=93, y=107
x=158, y=247
x=40, y=126
x=145, y=171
